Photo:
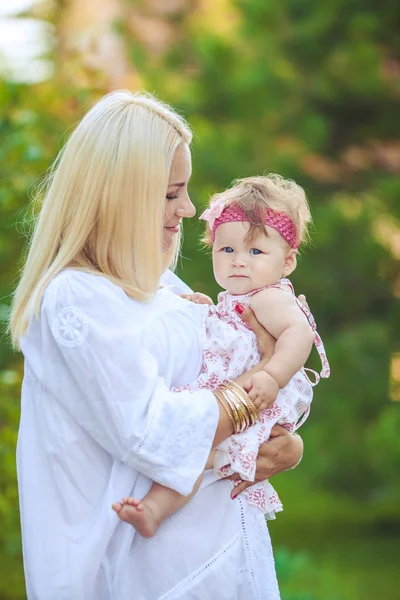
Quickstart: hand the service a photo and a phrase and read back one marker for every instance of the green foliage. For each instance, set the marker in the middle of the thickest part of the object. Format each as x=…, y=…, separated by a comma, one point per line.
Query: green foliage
x=297, y=576
x=11, y=577
x=307, y=89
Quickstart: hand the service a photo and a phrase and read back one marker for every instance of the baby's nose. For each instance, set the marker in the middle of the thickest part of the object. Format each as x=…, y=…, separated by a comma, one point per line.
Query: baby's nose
x=239, y=261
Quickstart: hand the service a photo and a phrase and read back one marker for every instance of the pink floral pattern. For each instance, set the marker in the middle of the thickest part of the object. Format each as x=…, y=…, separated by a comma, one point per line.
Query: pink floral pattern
x=229, y=349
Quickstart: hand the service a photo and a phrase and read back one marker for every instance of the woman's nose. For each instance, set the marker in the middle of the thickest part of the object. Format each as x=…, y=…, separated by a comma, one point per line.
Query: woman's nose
x=186, y=208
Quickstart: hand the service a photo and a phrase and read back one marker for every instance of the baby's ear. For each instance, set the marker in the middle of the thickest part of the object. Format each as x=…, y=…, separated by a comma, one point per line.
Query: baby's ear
x=290, y=262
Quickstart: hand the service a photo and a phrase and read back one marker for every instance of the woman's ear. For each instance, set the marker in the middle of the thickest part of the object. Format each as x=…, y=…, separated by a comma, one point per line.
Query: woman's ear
x=290, y=262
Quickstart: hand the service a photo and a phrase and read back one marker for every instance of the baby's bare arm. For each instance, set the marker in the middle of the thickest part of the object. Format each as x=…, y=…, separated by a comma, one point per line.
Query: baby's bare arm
x=281, y=316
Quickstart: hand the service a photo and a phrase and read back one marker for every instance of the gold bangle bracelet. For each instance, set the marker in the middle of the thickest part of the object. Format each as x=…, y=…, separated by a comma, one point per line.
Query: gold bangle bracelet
x=246, y=398
x=241, y=407
x=237, y=407
x=235, y=397
x=225, y=405
x=251, y=409
x=235, y=417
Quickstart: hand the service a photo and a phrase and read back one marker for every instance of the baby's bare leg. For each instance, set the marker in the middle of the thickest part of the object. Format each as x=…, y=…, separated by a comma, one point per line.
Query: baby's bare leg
x=147, y=515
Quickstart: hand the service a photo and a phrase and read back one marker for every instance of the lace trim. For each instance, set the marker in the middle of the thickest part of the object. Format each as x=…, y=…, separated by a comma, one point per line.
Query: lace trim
x=187, y=584
x=250, y=569
x=258, y=573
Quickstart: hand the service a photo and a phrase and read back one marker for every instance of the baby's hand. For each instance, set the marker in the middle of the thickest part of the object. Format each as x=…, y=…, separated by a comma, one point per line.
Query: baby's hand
x=264, y=390
x=198, y=298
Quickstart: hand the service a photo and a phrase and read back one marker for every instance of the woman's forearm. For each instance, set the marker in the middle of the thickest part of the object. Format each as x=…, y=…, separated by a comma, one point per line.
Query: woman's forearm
x=225, y=426
x=210, y=461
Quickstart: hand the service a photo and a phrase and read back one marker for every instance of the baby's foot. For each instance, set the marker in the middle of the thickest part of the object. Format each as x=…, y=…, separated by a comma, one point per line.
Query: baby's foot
x=141, y=514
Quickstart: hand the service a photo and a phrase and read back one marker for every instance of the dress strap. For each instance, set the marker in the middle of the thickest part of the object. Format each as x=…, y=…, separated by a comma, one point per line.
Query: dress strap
x=286, y=282
x=303, y=418
x=278, y=286
x=326, y=371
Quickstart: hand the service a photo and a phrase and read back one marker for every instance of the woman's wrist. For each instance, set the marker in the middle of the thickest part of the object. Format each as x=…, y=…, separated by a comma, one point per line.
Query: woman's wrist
x=236, y=405
x=225, y=426
x=300, y=446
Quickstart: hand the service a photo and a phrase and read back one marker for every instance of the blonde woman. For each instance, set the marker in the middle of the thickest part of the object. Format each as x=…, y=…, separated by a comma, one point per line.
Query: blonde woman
x=104, y=338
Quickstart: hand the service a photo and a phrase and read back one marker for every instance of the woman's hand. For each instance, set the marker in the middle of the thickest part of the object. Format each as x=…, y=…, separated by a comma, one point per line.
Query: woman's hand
x=265, y=341
x=303, y=300
x=282, y=452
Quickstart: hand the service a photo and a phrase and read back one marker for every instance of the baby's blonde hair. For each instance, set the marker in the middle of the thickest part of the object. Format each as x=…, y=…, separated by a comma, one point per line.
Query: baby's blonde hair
x=103, y=202
x=255, y=194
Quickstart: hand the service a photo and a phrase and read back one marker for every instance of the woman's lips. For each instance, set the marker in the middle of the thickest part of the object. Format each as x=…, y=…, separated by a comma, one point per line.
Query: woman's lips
x=174, y=229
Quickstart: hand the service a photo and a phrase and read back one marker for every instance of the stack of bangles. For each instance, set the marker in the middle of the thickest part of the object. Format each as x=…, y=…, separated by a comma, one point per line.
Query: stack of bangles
x=237, y=404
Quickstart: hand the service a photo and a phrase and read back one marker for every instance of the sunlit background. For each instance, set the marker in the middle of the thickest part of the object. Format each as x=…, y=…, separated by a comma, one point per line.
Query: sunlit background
x=306, y=88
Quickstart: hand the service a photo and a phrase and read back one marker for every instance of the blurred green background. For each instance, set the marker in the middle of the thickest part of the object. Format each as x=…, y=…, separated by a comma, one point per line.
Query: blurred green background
x=309, y=89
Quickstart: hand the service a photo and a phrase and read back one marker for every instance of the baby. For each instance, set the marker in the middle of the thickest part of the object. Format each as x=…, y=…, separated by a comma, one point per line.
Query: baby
x=255, y=229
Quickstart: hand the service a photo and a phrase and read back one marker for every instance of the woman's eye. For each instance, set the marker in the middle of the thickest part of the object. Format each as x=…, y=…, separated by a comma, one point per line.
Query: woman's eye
x=171, y=196
x=255, y=251
x=227, y=249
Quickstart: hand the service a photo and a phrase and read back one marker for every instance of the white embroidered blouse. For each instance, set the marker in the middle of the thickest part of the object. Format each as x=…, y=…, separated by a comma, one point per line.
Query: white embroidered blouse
x=98, y=422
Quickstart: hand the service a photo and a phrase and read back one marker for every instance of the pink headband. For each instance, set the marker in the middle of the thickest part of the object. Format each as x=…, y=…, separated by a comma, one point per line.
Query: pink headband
x=218, y=214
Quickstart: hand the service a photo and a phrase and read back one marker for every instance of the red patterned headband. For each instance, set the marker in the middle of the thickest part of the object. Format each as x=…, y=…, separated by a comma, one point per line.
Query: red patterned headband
x=218, y=214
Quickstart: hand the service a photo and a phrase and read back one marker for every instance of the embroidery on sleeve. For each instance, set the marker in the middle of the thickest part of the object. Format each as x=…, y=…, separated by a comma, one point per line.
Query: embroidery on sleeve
x=70, y=326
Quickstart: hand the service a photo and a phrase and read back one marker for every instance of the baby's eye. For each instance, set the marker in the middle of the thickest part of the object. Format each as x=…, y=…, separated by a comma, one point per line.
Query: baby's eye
x=227, y=249
x=255, y=251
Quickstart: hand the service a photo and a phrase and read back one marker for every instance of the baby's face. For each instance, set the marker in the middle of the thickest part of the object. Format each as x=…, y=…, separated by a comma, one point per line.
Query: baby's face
x=241, y=266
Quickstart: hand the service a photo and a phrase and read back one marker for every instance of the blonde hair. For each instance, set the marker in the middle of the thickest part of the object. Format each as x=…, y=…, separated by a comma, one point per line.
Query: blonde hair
x=103, y=202
x=255, y=194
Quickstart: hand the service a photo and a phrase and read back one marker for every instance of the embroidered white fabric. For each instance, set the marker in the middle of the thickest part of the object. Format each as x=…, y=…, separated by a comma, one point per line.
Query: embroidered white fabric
x=98, y=421
x=70, y=326
x=257, y=549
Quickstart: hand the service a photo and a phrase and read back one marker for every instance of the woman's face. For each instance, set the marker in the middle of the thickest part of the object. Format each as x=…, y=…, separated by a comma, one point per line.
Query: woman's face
x=177, y=202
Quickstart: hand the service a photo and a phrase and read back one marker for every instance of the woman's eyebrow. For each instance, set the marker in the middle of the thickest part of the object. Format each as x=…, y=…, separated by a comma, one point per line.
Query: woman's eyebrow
x=176, y=184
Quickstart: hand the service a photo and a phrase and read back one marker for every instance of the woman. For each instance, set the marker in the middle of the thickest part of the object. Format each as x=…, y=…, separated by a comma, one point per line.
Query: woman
x=103, y=345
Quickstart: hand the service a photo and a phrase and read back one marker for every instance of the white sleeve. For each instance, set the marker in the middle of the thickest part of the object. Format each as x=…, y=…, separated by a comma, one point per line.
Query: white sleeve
x=176, y=285
x=100, y=371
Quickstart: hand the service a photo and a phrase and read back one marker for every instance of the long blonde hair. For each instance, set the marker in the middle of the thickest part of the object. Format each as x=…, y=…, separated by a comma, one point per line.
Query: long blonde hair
x=103, y=202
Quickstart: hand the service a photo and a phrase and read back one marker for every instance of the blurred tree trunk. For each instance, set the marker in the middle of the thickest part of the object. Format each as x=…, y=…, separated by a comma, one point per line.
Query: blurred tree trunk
x=87, y=33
